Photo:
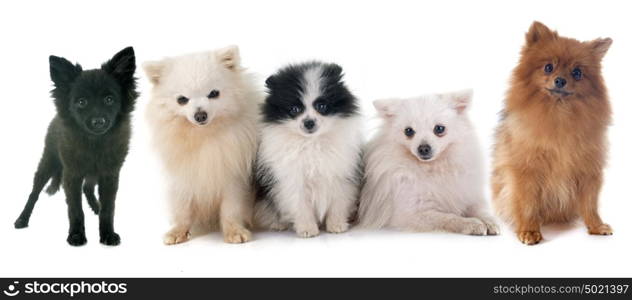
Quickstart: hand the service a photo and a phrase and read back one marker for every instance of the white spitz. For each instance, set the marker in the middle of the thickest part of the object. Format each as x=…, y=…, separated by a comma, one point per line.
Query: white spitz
x=308, y=165
x=203, y=114
x=424, y=168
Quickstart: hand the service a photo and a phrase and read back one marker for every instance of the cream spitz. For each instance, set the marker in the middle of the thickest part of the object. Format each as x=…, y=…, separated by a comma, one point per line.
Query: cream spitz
x=203, y=116
x=423, y=169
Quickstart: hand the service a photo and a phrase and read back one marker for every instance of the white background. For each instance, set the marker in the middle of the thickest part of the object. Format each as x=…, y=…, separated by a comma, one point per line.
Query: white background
x=387, y=48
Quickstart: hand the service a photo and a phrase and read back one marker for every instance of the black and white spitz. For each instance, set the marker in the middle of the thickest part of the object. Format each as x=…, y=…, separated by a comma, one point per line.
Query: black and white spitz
x=309, y=159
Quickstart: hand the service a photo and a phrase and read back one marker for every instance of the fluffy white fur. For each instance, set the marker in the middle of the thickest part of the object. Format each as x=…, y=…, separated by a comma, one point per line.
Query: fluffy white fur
x=444, y=193
x=316, y=174
x=209, y=166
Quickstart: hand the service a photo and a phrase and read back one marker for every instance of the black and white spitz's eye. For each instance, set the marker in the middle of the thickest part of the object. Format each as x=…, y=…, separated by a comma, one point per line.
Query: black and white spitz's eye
x=213, y=94
x=409, y=132
x=577, y=73
x=548, y=68
x=439, y=130
x=182, y=100
x=295, y=110
x=109, y=100
x=82, y=102
x=321, y=108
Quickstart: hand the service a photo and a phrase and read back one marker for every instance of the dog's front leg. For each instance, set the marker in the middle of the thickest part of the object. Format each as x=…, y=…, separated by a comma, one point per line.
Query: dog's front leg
x=236, y=212
x=72, y=189
x=108, y=186
x=432, y=220
x=588, y=194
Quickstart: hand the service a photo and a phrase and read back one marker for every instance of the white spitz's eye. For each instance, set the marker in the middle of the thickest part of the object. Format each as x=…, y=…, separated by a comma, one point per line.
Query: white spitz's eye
x=409, y=132
x=213, y=94
x=295, y=110
x=439, y=130
x=109, y=100
x=182, y=100
x=82, y=102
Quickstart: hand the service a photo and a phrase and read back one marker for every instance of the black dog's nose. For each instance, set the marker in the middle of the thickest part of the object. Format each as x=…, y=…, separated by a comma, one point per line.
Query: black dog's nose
x=424, y=150
x=560, y=82
x=309, y=124
x=98, y=123
x=201, y=116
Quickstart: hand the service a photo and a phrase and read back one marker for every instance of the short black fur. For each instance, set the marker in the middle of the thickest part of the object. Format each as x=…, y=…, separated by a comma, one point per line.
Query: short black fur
x=87, y=141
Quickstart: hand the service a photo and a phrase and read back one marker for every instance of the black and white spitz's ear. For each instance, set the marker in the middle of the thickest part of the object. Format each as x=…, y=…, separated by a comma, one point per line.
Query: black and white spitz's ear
x=154, y=70
x=460, y=100
x=122, y=65
x=229, y=57
x=387, y=108
x=539, y=32
x=600, y=46
x=63, y=72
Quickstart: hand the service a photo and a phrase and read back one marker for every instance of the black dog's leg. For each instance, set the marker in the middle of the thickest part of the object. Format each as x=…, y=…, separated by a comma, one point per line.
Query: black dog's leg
x=45, y=171
x=88, y=190
x=72, y=188
x=108, y=186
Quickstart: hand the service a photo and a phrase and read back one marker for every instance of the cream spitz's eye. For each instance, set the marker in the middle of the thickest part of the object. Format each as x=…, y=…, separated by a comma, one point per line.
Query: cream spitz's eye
x=182, y=100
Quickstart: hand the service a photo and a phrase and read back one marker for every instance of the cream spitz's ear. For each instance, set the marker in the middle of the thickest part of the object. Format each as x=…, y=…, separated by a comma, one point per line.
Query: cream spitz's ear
x=154, y=70
x=229, y=57
x=460, y=100
x=386, y=108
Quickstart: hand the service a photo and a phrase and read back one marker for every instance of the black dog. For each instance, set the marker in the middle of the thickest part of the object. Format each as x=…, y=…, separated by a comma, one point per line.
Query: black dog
x=87, y=141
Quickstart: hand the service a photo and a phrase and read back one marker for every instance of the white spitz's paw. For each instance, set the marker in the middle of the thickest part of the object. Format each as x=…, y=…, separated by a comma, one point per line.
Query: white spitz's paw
x=492, y=227
x=474, y=226
x=307, y=230
x=176, y=236
x=337, y=227
x=237, y=235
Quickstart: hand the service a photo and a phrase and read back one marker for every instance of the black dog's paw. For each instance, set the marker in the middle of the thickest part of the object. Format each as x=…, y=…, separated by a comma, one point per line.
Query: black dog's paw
x=110, y=239
x=77, y=239
x=95, y=206
x=21, y=223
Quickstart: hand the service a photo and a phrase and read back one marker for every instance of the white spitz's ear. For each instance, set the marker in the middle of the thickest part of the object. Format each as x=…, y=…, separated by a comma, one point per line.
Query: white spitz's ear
x=460, y=100
x=386, y=108
x=229, y=57
x=153, y=70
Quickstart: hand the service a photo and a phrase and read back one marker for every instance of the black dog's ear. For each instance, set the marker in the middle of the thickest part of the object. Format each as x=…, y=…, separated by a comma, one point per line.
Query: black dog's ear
x=62, y=72
x=271, y=81
x=122, y=66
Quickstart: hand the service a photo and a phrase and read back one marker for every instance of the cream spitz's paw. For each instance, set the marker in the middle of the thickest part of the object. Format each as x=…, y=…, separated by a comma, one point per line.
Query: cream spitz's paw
x=176, y=236
x=237, y=235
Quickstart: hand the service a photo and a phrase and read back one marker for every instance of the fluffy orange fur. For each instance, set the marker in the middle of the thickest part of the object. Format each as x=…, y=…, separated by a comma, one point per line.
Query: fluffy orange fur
x=551, y=143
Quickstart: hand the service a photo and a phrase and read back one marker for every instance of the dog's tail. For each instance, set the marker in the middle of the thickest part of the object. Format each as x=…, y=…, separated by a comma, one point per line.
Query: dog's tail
x=267, y=216
x=55, y=182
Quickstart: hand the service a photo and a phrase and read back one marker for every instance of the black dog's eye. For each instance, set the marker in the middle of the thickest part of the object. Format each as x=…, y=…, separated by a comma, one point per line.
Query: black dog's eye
x=213, y=94
x=109, y=100
x=548, y=68
x=82, y=102
x=439, y=130
x=295, y=110
x=182, y=100
x=321, y=108
x=409, y=132
x=577, y=73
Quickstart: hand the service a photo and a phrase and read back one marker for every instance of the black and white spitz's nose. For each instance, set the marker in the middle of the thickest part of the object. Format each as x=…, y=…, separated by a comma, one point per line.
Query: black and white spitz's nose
x=309, y=125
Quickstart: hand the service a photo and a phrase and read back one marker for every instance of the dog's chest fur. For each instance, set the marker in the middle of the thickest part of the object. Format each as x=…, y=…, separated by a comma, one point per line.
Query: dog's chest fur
x=310, y=166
